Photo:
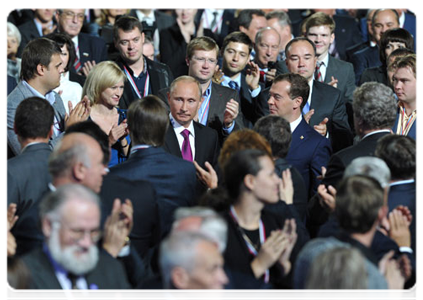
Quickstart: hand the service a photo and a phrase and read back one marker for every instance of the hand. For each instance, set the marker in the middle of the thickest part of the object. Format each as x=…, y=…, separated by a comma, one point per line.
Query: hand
x=186, y=31
x=209, y=177
x=405, y=212
x=11, y=217
x=399, y=228
x=253, y=76
x=327, y=197
x=231, y=112
x=290, y=232
x=118, y=131
x=321, y=128
x=78, y=114
x=333, y=82
x=270, y=75
x=87, y=67
x=218, y=75
x=11, y=244
x=320, y=177
x=286, y=188
x=308, y=115
x=391, y=270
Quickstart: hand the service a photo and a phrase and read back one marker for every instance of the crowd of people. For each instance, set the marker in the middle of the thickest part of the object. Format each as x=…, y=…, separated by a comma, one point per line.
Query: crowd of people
x=211, y=149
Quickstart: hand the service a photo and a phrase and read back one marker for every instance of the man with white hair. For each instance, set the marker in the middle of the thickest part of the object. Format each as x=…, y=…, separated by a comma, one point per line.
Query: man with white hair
x=70, y=259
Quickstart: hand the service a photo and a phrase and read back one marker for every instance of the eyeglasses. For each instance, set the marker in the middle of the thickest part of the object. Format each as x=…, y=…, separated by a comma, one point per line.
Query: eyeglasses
x=202, y=60
x=71, y=15
x=78, y=234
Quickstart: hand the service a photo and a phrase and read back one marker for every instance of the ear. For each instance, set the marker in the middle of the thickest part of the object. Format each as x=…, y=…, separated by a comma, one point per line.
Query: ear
x=46, y=227
x=50, y=133
x=297, y=102
x=249, y=181
x=78, y=171
x=40, y=69
x=179, y=277
x=332, y=37
x=243, y=29
x=187, y=61
x=142, y=38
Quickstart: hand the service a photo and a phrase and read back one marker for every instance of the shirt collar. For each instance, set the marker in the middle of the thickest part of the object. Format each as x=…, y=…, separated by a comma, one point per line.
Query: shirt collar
x=227, y=79
x=179, y=128
x=295, y=123
x=50, y=97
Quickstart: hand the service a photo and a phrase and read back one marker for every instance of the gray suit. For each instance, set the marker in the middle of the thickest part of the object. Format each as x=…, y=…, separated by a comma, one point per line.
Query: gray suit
x=344, y=72
x=21, y=92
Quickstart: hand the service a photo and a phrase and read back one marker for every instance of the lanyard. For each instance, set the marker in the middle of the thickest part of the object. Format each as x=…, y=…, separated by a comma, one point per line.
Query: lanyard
x=203, y=113
x=248, y=242
x=403, y=125
x=134, y=86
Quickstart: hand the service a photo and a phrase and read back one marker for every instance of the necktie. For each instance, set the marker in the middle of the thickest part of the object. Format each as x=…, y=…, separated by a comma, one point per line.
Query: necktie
x=77, y=63
x=262, y=76
x=75, y=290
x=306, y=108
x=233, y=85
x=186, y=147
x=318, y=75
x=214, y=21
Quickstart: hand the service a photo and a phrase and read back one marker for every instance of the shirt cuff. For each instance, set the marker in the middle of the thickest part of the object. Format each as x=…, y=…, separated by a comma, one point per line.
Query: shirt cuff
x=406, y=249
x=255, y=92
x=229, y=130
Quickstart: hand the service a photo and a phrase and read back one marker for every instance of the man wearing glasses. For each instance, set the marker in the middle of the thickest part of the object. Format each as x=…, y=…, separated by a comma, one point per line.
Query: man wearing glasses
x=70, y=258
x=89, y=49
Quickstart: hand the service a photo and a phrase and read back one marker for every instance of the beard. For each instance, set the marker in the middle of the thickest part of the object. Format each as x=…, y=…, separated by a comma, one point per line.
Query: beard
x=67, y=257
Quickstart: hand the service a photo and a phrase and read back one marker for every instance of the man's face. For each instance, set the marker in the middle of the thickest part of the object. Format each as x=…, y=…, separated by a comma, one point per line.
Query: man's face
x=208, y=270
x=257, y=23
x=284, y=32
x=130, y=45
x=202, y=64
x=301, y=59
x=44, y=15
x=267, y=48
x=404, y=84
x=184, y=102
x=148, y=50
x=280, y=102
x=72, y=239
x=322, y=38
x=235, y=58
x=71, y=21
x=51, y=77
x=93, y=176
x=384, y=20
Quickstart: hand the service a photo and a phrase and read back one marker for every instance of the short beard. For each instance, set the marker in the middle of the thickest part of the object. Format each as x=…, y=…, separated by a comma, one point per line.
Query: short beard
x=77, y=265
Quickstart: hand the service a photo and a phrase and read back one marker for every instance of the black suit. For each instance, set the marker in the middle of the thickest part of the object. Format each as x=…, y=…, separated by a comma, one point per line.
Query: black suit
x=347, y=34
x=365, y=58
x=248, y=105
x=28, y=32
x=160, y=77
x=108, y=273
x=377, y=74
x=91, y=48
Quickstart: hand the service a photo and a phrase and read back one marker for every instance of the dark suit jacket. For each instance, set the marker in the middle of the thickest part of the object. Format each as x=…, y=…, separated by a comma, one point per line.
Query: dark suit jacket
x=160, y=77
x=347, y=33
x=227, y=20
x=28, y=32
x=411, y=132
x=365, y=58
x=220, y=95
x=91, y=48
x=174, y=179
x=163, y=20
x=309, y=151
x=377, y=74
x=247, y=105
x=344, y=72
x=108, y=274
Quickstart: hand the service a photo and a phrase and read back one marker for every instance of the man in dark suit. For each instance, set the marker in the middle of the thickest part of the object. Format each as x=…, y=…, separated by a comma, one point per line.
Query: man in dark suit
x=145, y=76
x=69, y=259
x=89, y=49
x=220, y=105
x=249, y=21
x=184, y=99
x=399, y=153
x=309, y=151
x=219, y=21
x=174, y=179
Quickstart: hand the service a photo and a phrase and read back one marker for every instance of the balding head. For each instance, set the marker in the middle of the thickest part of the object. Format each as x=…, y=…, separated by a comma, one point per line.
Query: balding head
x=267, y=46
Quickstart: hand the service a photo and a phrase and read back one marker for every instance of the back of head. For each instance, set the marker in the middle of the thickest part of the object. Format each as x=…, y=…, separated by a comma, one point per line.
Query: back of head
x=237, y=37
x=320, y=19
x=358, y=201
x=281, y=16
x=277, y=132
x=299, y=86
x=148, y=121
x=245, y=17
x=62, y=39
x=370, y=166
x=338, y=268
x=37, y=51
x=204, y=43
x=34, y=118
x=126, y=24
x=399, y=153
x=102, y=76
x=240, y=140
x=374, y=106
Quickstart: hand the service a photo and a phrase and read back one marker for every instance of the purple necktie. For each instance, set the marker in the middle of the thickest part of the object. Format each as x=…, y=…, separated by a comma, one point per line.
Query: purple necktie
x=186, y=147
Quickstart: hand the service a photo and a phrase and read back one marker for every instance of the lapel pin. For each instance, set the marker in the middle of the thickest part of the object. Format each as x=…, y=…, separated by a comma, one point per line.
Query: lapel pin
x=302, y=137
x=85, y=54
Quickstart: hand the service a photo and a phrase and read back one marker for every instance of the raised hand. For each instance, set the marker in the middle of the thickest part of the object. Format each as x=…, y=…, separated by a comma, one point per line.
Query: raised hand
x=327, y=197
x=321, y=127
x=231, y=112
x=209, y=177
x=286, y=187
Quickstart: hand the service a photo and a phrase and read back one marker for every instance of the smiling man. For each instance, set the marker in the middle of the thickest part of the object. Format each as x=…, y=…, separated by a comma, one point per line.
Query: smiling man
x=145, y=77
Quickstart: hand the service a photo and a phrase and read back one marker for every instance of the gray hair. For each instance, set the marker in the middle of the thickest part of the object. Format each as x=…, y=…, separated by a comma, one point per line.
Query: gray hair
x=260, y=33
x=179, y=249
x=12, y=30
x=52, y=204
x=370, y=166
x=283, y=17
x=212, y=224
x=374, y=106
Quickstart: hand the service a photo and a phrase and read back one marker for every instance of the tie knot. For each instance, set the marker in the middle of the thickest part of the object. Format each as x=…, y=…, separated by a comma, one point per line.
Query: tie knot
x=185, y=133
x=319, y=64
x=233, y=85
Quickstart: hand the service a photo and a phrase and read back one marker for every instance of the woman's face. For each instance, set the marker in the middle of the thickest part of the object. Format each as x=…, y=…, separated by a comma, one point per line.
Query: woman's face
x=185, y=15
x=110, y=97
x=12, y=46
x=266, y=182
x=65, y=55
x=393, y=46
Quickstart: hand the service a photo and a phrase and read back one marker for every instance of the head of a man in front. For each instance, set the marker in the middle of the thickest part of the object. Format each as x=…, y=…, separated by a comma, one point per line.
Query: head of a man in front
x=288, y=95
x=70, y=219
x=301, y=57
x=184, y=99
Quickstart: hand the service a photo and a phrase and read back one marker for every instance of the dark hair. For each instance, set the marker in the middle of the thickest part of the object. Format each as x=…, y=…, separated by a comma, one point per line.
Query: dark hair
x=299, y=86
x=277, y=132
x=358, y=201
x=126, y=23
x=245, y=17
x=239, y=165
x=92, y=129
x=237, y=37
x=399, y=153
x=64, y=39
x=34, y=118
x=398, y=35
x=148, y=121
x=38, y=51
x=299, y=39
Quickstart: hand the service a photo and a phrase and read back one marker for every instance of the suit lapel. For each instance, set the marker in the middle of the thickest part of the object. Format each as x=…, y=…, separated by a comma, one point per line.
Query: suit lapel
x=299, y=136
x=329, y=70
x=171, y=142
x=154, y=80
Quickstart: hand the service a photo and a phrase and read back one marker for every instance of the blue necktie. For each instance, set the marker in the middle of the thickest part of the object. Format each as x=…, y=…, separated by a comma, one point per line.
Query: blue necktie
x=233, y=85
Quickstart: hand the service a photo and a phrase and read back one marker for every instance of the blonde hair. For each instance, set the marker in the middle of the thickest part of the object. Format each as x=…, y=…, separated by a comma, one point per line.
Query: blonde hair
x=104, y=75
